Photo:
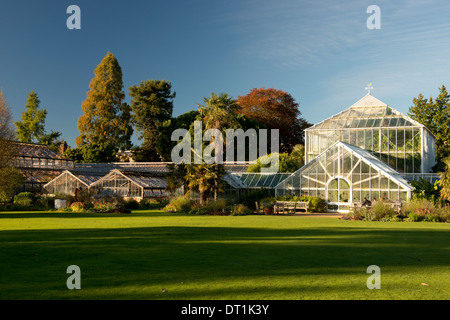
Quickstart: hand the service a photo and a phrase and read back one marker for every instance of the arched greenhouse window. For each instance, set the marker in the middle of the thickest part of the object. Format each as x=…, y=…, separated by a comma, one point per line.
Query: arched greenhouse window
x=338, y=191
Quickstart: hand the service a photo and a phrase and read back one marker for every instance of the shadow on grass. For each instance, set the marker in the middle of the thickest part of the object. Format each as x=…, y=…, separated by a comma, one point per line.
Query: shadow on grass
x=62, y=214
x=129, y=263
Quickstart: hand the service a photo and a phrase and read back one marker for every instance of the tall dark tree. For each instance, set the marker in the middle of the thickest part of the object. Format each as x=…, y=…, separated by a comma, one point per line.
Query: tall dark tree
x=151, y=106
x=106, y=118
x=435, y=115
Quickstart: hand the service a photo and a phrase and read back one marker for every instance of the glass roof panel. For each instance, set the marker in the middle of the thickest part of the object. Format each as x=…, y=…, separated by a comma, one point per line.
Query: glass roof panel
x=365, y=117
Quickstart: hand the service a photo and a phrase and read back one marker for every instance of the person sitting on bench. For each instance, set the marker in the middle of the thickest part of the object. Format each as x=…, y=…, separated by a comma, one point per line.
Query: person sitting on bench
x=366, y=203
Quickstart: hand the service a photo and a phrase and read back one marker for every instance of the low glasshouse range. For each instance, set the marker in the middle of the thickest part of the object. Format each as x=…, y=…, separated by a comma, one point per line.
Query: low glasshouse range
x=367, y=151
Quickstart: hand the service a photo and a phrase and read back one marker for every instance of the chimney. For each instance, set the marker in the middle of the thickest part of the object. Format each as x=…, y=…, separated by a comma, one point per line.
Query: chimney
x=63, y=147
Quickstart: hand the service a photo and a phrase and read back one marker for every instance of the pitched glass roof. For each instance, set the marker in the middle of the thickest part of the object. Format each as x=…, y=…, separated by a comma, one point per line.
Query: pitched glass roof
x=261, y=180
x=365, y=156
x=368, y=112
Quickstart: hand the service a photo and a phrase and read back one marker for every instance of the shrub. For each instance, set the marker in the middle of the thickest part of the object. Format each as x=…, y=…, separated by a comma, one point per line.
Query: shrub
x=382, y=211
x=24, y=199
x=418, y=204
x=198, y=209
x=150, y=204
x=357, y=214
x=180, y=204
x=317, y=204
x=45, y=203
x=77, y=206
x=131, y=204
x=69, y=199
x=240, y=210
x=216, y=206
x=104, y=206
x=251, y=198
x=169, y=208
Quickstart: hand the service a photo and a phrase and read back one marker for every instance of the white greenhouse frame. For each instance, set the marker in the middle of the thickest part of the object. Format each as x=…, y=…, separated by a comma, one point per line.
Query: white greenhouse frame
x=365, y=175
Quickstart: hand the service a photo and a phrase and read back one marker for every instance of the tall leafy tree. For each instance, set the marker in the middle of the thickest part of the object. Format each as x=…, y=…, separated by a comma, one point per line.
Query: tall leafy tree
x=435, y=115
x=10, y=177
x=277, y=109
x=152, y=107
x=106, y=118
x=31, y=127
x=32, y=124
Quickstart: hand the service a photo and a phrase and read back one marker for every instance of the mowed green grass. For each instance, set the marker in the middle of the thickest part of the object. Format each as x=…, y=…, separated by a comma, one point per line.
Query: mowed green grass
x=155, y=255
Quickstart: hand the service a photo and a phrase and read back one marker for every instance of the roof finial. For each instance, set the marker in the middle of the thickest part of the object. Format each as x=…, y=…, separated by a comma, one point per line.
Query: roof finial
x=369, y=87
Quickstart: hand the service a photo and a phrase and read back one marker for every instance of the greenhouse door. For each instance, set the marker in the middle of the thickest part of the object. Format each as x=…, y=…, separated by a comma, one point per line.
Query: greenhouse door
x=338, y=195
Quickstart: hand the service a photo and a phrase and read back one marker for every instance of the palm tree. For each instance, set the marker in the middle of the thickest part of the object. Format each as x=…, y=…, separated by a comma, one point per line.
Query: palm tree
x=200, y=176
x=218, y=112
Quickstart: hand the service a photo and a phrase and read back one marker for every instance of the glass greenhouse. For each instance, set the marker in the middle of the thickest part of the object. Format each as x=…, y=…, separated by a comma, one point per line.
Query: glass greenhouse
x=368, y=151
x=397, y=140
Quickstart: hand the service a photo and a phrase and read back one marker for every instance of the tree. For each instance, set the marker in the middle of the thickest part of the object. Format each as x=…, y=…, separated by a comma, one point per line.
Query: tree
x=106, y=119
x=152, y=106
x=298, y=153
x=164, y=144
x=435, y=115
x=276, y=109
x=10, y=177
x=286, y=163
x=217, y=112
x=31, y=127
x=204, y=177
x=444, y=181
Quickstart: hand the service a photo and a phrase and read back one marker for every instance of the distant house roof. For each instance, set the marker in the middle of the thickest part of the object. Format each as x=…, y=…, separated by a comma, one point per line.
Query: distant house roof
x=148, y=167
x=36, y=150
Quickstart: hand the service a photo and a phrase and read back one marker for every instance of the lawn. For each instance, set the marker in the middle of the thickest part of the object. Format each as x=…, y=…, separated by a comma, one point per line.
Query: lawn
x=156, y=255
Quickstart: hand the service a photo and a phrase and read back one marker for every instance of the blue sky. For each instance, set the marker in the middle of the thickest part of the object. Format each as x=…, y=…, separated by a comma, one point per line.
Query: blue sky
x=321, y=52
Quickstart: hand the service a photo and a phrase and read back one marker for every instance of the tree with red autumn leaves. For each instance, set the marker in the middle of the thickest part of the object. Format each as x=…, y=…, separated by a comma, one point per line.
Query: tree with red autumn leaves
x=277, y=109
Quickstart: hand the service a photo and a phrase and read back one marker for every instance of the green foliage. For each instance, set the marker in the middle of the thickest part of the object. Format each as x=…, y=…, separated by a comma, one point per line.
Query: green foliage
x=93, y=153
x=10, y=178
x=24, y=199
x=298, y=154
x=104, y=206
x=240, y=210
x=151, y=106
x=444, y=181
x=77, y=207
x=75, y=154
x=250, y=199
x=179, y=204
x=435, y=115
x=286, y=163
x=106, y=117
x=216, y=206
x=31, y=127
x=424, y=189
x=146, y=204
x=415, y=210
x=382, y=211
x=315, y=204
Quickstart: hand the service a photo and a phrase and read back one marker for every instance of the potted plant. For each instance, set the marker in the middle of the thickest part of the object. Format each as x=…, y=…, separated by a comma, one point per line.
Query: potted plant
x=268, y=210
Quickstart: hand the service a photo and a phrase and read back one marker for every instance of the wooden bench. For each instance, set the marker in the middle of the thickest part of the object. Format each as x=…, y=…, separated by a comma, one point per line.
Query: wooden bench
x=290, y=206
